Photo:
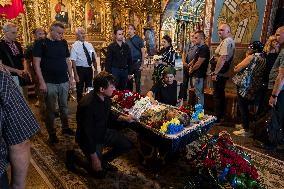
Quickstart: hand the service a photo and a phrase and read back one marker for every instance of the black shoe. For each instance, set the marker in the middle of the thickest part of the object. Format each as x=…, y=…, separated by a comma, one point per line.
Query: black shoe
x=98, y=174
x=68, y=131
x=53, y=139
x=70, y=160
x=109, y=167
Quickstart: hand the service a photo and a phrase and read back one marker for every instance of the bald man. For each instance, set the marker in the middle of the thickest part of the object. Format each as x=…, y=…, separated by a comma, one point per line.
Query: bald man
x=277, y=97
x=83, y=57
x=223, y=56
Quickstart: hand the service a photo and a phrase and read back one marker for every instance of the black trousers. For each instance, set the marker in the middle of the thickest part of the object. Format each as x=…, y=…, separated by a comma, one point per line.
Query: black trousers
x=119, y=144
x=186, y=79
x=244, y=110
x=277, y=120
x=86, y=77
x=219, y=96
x=4, y=182
x=137, y=80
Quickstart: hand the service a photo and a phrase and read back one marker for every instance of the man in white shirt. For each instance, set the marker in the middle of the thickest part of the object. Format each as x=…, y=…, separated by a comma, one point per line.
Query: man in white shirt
x=224, y=55
x=83, y=56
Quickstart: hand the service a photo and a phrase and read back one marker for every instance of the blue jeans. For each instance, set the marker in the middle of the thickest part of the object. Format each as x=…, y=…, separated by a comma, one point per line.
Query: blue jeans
x=199, y=89
x=121, y=78
x=56, y=92
x=4, y=182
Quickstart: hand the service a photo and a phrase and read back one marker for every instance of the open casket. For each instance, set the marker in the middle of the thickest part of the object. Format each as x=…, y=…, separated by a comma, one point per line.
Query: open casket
x=158, y=144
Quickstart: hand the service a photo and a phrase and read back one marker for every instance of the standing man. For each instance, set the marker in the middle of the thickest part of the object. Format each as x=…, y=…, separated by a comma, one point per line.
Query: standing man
x=93, y=119
x=136, y=45
x=277, y=97
x=13, y=57
x=83, y=57
x=39, y=34
x=223, y=57
x=54, y=74
x=119, y=60
x=187, y=56
x=199, y=65
x=17, y=125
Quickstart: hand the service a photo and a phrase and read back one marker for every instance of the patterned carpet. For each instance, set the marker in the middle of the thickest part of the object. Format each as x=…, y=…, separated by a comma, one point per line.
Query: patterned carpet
x=48, y=170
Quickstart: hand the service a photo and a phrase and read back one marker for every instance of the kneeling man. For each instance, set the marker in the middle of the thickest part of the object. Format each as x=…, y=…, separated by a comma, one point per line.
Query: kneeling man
x=93, y=116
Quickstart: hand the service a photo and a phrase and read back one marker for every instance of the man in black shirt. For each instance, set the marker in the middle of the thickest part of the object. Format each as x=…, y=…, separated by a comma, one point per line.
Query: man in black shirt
x=54, y=75
x=119, y=60
x=199, y=66
x=93, y=117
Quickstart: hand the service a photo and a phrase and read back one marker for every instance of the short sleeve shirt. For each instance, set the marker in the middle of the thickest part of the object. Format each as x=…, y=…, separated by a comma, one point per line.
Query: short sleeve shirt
x=135, y=44
x=17, y=122
x=191, y=53
x=279, y=62
x=78, y=54
x=53, y=63
x=202, y=52
x=226, y=48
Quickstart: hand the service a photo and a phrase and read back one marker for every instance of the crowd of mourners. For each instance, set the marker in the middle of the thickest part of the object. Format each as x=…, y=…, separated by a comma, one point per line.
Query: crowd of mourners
x=52, y=66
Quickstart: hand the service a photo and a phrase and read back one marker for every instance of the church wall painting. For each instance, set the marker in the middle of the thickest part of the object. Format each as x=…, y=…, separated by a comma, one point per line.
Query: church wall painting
x=61, y=12
x=244, y=16
x=93, y=16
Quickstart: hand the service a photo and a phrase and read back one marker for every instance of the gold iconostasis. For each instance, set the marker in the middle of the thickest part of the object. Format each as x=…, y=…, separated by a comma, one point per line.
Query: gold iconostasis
x=98, y=17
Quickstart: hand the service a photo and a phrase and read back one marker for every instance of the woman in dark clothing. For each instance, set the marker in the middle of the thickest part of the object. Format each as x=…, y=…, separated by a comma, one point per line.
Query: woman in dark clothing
x=165, y=90
x=271, y=50
x=168, y=58
x=255, y=56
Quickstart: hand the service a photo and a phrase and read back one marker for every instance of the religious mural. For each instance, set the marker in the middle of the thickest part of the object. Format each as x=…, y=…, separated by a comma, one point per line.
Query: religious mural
x=60, y=11
x=93, y=16
x=244, y=16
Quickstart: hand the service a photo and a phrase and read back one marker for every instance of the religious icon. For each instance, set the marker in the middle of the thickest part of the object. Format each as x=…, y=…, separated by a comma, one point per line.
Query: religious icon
x=116, y=19
x=93, y=16
x=61, y=13
x=243, y=18
x=150, y=41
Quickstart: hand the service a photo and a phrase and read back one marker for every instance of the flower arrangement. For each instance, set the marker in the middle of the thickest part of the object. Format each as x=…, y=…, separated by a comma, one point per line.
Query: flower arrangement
x=227, y=163
x=186, y=109
x=125, y=99
x=198, y=114
x=171, y=127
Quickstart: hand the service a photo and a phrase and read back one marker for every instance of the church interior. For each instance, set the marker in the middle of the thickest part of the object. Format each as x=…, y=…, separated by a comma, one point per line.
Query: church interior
x=151, y=163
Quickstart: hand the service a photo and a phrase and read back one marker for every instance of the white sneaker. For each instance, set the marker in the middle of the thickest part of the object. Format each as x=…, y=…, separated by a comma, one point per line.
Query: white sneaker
x=239, y=126
x=242, y=132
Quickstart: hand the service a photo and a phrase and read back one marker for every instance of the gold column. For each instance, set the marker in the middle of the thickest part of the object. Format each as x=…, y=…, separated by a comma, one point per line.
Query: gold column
x=126, y=18
x=78, y=14
x=108, y=22
x=29, y=21
x=42, y=14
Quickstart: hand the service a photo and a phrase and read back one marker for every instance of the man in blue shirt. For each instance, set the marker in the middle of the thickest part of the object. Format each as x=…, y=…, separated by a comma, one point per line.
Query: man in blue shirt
x=136, y=45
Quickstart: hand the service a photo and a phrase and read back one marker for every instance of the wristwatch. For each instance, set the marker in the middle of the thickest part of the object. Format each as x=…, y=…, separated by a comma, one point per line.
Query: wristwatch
x=274, y=96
